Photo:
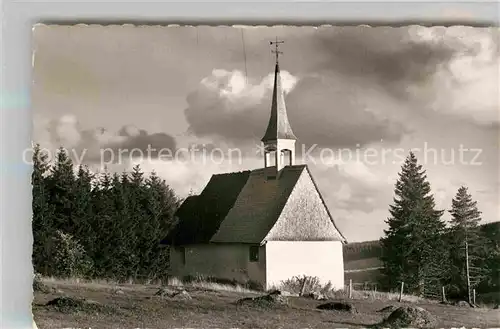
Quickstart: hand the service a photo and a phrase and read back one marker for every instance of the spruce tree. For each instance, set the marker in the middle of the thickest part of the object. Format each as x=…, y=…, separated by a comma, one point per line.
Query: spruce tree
x=123, y=231
x=102, y=226
x=137, y=202
x=42, y=220
x=161, y=206
x=62, y=191
x=467, y=245
x=83, y=211
x=412, y=247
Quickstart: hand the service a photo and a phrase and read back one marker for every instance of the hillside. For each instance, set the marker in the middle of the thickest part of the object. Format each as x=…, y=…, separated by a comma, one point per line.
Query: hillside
x=136, y=306
x=361, y=262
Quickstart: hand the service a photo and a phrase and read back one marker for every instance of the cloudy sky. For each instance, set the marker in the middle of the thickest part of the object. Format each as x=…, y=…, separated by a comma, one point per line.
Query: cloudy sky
x=349, y=90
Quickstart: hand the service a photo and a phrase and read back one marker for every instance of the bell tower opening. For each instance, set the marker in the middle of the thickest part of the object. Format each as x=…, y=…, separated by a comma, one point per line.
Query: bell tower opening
x=286, y=156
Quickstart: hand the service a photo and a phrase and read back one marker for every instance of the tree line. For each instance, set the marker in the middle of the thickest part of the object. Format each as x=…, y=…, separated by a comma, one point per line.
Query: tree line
x=425, y=253
x=98, y=226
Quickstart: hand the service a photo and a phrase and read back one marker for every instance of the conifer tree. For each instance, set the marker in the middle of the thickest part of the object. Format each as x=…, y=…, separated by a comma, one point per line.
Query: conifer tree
x=62, y=188
x=412, y=247
x=83, y=211
x=105, y=226
x=137, y=203
x=43, y=212
x=467, y=246
x=162, y=204
x=102, y=226
x=123, y=229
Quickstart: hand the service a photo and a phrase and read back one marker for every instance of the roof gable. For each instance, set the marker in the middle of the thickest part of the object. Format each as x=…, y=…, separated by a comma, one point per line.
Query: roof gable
x=246, y=207
x=258, y=206
x=305, y=217
x=200, y=216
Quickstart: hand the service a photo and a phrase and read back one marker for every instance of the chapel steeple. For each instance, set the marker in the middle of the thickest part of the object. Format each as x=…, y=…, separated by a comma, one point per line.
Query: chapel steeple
x=279, y=139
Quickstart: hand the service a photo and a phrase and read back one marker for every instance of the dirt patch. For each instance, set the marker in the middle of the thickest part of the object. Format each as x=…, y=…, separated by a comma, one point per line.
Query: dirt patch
x=338, y=306
x=67, y=304
x=409, y=317
x=273, y=299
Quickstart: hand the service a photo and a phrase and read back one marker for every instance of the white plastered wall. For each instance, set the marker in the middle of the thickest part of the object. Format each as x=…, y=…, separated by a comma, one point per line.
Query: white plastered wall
x=322, y=259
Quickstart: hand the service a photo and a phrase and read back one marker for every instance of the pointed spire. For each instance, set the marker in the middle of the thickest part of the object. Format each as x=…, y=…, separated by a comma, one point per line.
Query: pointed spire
x=279, y=126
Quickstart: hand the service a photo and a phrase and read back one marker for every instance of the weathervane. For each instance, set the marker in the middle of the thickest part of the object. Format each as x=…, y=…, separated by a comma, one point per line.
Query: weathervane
x=276, y=45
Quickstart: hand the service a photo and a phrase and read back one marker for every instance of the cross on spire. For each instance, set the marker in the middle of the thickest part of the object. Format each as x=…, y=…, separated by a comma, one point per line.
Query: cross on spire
x=276, y=50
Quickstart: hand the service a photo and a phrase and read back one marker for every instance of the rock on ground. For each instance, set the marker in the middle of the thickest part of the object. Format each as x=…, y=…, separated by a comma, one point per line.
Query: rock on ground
x=463, y=303
x=275, y=298
x=390, y=308
x=175, y=293
x=66, y=304
x=118, y=291
x=338, y=306
x=316, y=296
x=409, y=317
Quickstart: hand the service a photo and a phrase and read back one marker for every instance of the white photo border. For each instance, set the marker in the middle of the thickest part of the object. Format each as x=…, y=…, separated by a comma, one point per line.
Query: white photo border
x=18, y=18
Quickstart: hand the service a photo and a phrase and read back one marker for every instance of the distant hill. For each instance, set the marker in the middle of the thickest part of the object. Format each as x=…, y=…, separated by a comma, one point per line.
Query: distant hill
x=361, y=261
x=361, y=250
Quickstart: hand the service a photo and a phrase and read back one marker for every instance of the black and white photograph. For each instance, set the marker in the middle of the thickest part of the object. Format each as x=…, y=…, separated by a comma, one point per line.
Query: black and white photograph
x=265, y=176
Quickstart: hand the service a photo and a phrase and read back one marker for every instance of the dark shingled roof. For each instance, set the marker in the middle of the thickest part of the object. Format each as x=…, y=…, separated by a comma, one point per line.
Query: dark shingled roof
x=200, y=216
x=237, y=207
x=279, y=126
x=259, y=206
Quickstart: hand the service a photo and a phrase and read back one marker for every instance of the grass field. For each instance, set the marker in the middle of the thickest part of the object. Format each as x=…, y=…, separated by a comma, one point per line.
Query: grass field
x=135, y=306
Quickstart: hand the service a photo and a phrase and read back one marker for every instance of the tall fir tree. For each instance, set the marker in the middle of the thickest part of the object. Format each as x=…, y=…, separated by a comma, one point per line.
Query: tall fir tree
x=412, y=247
x=62, y=191
x=43, y=212
x=467, y=246
x=138, y=202
x=83, y=211
x=123, y=233
x=161, y=206
x=102, y=226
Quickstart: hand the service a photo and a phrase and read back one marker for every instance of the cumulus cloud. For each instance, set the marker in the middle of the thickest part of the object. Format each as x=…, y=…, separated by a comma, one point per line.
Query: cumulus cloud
x=468, y=84
x=99, y=144
x=448, y=70
x=227, y=105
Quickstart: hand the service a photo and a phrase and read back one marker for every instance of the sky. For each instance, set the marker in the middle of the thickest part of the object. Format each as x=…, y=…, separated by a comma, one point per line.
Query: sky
x=358, y=99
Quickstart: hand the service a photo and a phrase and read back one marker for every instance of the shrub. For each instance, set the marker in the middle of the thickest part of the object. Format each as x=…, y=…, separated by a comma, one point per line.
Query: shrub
x=70, y=259
x=294, y=284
